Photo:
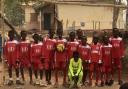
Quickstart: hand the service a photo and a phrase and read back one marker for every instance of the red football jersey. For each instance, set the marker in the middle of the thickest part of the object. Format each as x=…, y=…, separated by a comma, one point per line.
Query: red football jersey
x=24, y=50
x=11, y=52
x=49, y=49
x=95, y=52
x=85, y=52
x=106, y=52
x=36, y=51
x=71, y=47
x=117, y=47
x=60, y=56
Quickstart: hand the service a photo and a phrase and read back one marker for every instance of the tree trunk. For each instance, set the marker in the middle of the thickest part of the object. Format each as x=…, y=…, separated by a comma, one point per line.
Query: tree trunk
x=116, y=11
x=127, y=17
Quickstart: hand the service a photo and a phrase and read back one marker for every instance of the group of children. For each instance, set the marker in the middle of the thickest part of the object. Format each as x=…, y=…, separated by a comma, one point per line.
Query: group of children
x=78, y=59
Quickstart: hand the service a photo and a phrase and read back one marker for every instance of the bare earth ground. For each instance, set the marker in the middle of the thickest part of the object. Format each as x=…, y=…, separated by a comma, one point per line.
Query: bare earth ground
x=28, y=86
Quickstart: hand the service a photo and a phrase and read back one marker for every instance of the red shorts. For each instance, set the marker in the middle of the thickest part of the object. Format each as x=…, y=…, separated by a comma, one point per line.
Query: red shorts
x=12, y=64
x=60, y=65
x=107, y=69
x=117, y=63
x=94, y=66
x=48, y=65
x=37, y=65
x=25, y=63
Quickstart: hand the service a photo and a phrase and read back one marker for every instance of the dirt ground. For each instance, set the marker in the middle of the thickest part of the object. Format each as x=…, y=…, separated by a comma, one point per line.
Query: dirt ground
x=28, y=86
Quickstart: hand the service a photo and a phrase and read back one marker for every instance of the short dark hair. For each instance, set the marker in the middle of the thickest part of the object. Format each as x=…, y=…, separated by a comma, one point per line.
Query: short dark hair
x=23, y=32
x=35, y=35
x=75, y=53
x=124, y=86
x=84, y=37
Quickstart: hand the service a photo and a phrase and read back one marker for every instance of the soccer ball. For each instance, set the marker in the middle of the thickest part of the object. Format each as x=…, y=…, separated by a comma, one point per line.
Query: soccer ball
x=60, y=47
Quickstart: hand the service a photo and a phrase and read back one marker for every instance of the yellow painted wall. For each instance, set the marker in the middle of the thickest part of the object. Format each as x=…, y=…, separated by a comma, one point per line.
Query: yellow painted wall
x=88, y=14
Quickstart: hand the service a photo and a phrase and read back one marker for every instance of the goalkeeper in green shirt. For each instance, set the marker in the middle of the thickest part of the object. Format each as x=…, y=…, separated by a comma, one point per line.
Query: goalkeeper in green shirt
x=75, y=72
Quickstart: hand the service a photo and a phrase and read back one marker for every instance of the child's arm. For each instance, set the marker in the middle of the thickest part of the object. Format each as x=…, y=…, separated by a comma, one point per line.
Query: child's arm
x=80, y=67
x=71, y=68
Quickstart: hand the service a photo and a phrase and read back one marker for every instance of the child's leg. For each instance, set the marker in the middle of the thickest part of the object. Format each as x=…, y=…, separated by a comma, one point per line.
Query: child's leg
x=30, y=73
x=17, y=72
x=97, y=72
x=49, y=74
x=91, y=70
x=10, y=75
x=41, y=74
x=22, y=72
x=64, y=72
x=10, y=71
x=46, y=74
x=36, y=74
x=80, y=77
x=85, y=70
x=70, y=77
x=56, y=75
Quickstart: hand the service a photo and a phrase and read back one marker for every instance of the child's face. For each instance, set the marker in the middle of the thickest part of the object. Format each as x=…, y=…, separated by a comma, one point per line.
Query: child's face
x=84, y=41
x=23, y=35
x=106, y=41
x=76, y=57
x=72, y=36
x=115, y=33
x=51, y=34
x=95, y=40
x=36, y=38
x=11, y=36
x=60, y=33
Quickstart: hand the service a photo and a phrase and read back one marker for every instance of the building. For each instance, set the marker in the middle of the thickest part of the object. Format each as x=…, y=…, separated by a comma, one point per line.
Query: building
x=71, y=15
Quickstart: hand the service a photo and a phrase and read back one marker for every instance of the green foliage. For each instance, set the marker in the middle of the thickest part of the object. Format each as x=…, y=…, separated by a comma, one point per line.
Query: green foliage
x=38, y=6
x=14, y=12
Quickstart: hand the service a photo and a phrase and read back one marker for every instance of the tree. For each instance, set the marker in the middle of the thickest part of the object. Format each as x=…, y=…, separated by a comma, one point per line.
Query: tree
x=14, y=12
x=116, y=13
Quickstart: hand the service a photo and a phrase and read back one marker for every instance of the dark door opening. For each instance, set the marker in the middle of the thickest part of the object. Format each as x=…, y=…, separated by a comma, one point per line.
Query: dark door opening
x=47, y=21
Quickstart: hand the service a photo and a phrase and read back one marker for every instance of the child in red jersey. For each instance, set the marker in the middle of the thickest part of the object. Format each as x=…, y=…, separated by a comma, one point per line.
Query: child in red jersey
x=36, y=59
x=95, y=60
x=60, y=58
x=49, y=50
x=106, y=52
x=117, y=53
x=79, y=33
x=72, y=45
x=84, y=50
x=11, y=55
x=24, y=55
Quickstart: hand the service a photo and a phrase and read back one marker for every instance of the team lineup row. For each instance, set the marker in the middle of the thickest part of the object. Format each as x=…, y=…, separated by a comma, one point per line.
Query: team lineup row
x=74, y=57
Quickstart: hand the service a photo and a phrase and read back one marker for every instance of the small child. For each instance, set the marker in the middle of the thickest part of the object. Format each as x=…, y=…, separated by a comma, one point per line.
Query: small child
x=36, y=59
x=75, y=72
x=85, y=50
x=24, y=53
x=106, y=56
x=11, y=55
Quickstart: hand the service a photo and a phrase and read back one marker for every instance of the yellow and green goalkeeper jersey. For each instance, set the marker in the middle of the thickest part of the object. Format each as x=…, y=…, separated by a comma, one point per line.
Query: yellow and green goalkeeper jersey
x=75, y=67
